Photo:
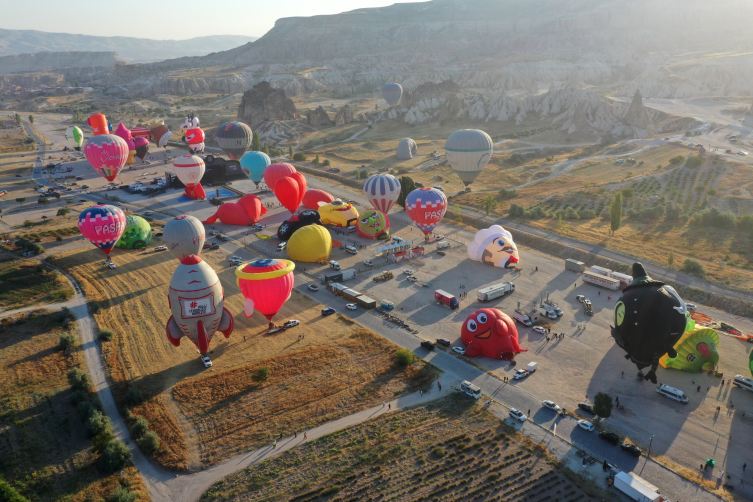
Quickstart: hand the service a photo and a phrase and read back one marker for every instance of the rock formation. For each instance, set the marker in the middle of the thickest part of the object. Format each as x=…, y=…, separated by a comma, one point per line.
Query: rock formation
x=344, y=116
x=636, y=115
x=263, y=103
x=318, y=117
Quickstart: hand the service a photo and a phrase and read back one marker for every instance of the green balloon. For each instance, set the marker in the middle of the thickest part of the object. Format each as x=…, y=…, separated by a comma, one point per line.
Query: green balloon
x=137, y=234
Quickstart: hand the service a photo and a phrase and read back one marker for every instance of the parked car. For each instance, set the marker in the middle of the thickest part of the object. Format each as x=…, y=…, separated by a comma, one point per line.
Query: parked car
x=412, y=279
x=313, y=287
x=587, y=408
x=214, y=246
x=369, y=263
x=441, y=253
x=443, y=341
x=328, y=311
x=258, y=226
x=146, y=213
x=351, y=306
x=161, y=248
x=427, y=345
x=291, y=323
x=206, y=245
x=585, y=424
x=111, y=264
x=159, y=234
x=207, y=362
x=609, y=437
x=517, y=415
x=118, y=204
x=408, y=271
x=539, y=329
x=691, y=307
x=631, y=449
x=459, y=350
x=580, y=298
x=551, y=405
x=79, y=178
x=281, y=246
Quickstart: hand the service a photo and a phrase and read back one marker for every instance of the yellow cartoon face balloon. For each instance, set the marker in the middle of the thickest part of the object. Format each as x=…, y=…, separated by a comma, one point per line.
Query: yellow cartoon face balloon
x=338, y=213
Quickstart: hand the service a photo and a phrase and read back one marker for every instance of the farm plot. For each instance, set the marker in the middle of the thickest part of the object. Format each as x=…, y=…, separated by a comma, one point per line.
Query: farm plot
x=447, y=450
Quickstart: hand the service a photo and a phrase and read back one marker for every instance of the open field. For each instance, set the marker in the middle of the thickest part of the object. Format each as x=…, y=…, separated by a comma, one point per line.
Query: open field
x=44, y=452
x=205, y=416
x=450, y=450
x=13, y=139
x=26, y=282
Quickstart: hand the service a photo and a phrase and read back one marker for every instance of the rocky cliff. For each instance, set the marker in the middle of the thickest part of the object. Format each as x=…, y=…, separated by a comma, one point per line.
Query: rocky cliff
x=637, y=115
x=318, y=117
x=55, y=60
x=264, y=103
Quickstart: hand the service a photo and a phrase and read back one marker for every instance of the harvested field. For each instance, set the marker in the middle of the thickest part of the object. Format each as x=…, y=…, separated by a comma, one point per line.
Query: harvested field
x=44, y=453
x=26, y=282
x=191, y=421
x=448, y=450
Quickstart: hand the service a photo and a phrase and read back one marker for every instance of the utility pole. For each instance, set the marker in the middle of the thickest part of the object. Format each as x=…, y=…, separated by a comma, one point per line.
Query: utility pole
x=650, y=442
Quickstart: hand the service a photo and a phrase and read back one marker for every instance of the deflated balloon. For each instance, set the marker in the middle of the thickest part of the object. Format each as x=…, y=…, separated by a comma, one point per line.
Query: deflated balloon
x=697, y=351
x=234, y=138
x=184, y=236
x=102, y=225
x=392, y=93
x=276, y=172
x=107, y=154
x=382, y=190
x=426, y=208
x=650, y=318
x=468, y=151
x=266, y=284
x=289, y=226
x=253, y=165
x=246, y=211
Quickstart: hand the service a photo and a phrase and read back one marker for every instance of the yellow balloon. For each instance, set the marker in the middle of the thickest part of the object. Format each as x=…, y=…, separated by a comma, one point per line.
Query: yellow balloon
x=311, y=243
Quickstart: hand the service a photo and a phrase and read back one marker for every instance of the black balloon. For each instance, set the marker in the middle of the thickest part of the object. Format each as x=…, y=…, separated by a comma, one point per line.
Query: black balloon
x=650, y=318
x=307, y=217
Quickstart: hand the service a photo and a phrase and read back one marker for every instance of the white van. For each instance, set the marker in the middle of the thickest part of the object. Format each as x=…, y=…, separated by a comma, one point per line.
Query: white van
x=334, y=265
x=672, y=393
x=743, y=383
x=471, y=390
x=443, y=245
x=351, y=250
x=281, y=246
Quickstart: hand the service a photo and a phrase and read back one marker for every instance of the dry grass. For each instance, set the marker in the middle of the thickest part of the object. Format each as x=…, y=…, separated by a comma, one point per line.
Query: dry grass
x=13, y=139
x=448, y=450
x=132, y=301
x=44, y=452
x=26, y=282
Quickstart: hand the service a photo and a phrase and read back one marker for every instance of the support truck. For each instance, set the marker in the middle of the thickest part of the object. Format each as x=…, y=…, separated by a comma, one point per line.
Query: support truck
x=601, y=280
x=637, y=488
x=522, y=317
x=495, y=291
x=447, y=299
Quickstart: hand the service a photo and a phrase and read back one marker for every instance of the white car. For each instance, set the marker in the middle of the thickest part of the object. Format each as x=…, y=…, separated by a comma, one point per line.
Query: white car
x=161, y=248
x=439, y=187
x=369, y=263
x=691, y=144
x=408, y=271
x=517, y=415
x=742, y=153
x=551, y=405
x=692, y=307
x=313, y=287
x=351, y=306
x=111, y=264
x=521, y=373
x=147, y=213
x=539, y=329
x=459, y=350
x=235, y=258
x=585, y=424
x=118, y=204
x=258, y=226
x=412, y=279
x=580, y=298
x=207, y=362
x=291, y=323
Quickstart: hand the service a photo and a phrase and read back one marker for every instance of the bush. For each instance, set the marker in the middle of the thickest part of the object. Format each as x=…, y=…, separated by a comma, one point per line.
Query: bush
x=150, y=442
x=122, y=494
x=97, y=423
x=78, y=396
x=679, y=159
x=404, y=357
x=505, y=193
x=516, y=159
x=105, y=334
x=628, y=193
x=586, y=214
x=140, y=427
x=535, y=213
x=100, y=441
x=260, y=375
x=516, y=210
x=326, y=162
x=570, y=214
x=693, y=267
x=67, y=341
x=694, y=161
x=438, y=451
x=299, y=156
x=745, y=223
x=133, y=396
x=9, y=494
x=713, y=218
x=79, y=380
x=115, y=457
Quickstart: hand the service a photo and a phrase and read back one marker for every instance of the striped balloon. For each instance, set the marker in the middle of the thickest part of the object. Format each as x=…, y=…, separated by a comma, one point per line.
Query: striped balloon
x=382, y=190
x=102, y=225
x=468, y=151
x=426, y=208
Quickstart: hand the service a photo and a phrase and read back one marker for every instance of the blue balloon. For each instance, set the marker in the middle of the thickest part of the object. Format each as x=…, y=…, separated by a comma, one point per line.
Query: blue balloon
x=253, y=165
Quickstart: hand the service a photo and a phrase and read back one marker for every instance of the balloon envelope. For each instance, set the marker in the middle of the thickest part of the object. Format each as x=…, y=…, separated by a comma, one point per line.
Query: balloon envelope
x=289, y=226
x=160, y=132
x=189, y=169
x=98, y=123
x=246, y=211
x=184, y=236
x=289, y=192
x=142, y=147
x=311, y=244
x=426, y=208
x=468, y=151
x=373, y=224
x=74, y=137
x=253, y=165
x=697, y=351
x=137, y=233
x=102, y=225
x=107, y=154
x=234, y=138
x=266, y=284
x=494, y=246
x=490, y=333
x=382, y=190
x=312, y=198
x=276, y=172
x=392, y=93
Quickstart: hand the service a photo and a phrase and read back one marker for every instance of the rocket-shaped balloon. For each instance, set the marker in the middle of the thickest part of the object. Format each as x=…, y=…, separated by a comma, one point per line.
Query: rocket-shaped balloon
x=197, y=301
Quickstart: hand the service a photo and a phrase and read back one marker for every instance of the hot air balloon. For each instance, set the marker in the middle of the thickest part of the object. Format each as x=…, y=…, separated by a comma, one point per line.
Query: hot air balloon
x=102, y=225
x=426, y=208
x=289, y=192
x=338, y=213
x=246, y=211
x=137, y=233
x=190, y=169
x=276, y=172
x=197, y=302
x=107, y=154
x=234, y=138
x=289, y=226
x=392, y=93
x=650, y=317
x=253, y=165
x=74, y=137
x=140, y=132
x=468, y=151
x=490, y=333
x=373, y=224
x=266, y=285
x=310, y=244
x=406, y=149
x=191, y=122
x=697, y=351
x=382, y=190
x=302, y=185
x=160, y=132
x=184, y=236
x=142, y=147
x=98, y=123
x=312, y=198
x=494, y=246
x=123, y=132
x=195, y=138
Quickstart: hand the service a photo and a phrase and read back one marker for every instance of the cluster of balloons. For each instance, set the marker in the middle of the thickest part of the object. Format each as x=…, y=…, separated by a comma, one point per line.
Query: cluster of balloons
x=189, y=169
x=288, y=185
x=193, y=134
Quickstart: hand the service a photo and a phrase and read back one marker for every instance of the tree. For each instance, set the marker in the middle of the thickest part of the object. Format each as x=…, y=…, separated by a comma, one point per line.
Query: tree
x=404, y=357
x=290, y=151
x=115, y=457
x=17, y=118
x=628, y=193
x=489, y=204
x=9, y=494
x=43, y=200
x=517, y=210
x=316, y=160
x=28, y=223
x=140, y=427
x=671, y=259
x=615, y=212
x=457, y=212
x=407, y=185
x=31, y=119
x=256, y=142
x=603, y=405
x=63, y=211
x=261, y=375
x=299, y=156
x=150, y=442
x=265, y=148
x=357, y=174
x=21, y=200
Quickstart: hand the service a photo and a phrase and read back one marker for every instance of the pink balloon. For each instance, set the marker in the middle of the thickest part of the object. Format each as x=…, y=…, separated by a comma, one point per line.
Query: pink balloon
x=102, y=225
x=107, y=154
x=275, y=172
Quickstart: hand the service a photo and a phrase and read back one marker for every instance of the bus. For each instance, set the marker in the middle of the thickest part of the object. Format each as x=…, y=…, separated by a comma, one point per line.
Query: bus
x=472, y=390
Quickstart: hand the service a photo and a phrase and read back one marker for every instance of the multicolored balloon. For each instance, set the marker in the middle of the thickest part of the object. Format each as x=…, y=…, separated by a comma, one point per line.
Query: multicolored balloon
x=697, y=350
x=142, y=147
x=382, y=190
x=74, y=137
x=266, y=284
x=102, y=225
x=276, y=172
x=98, y=123
x=468, y=151
x=190, y=169
x=184, y=236
x=160, y=132
x=373, y=224
x=234, y=138
x=392, y=93
x=253, y=165
x=140, y=132
x=107, y=154
x=426, y=208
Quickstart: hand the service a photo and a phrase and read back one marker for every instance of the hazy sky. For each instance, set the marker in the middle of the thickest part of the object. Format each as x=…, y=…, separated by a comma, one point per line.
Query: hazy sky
x=166, y=20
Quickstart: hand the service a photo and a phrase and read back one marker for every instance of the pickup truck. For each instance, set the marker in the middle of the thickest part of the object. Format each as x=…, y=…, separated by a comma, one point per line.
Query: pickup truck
x=524, y=372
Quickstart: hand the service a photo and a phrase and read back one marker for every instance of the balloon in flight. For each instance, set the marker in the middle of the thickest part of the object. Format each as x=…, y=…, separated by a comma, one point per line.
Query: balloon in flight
x=234, y=138
x=142, y=147
x=253, y=165
x=266, y=285
x=392, y=93
x=382, y=191
x=107, y=154
x=184, y=236
x=98, y=123
x=102, y=225
x=468, y=151
x=426, y=207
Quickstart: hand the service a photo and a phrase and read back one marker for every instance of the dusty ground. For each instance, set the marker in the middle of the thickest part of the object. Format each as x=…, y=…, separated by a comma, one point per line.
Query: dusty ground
x=191, y=407
x=44, y=452
x=448, y=450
